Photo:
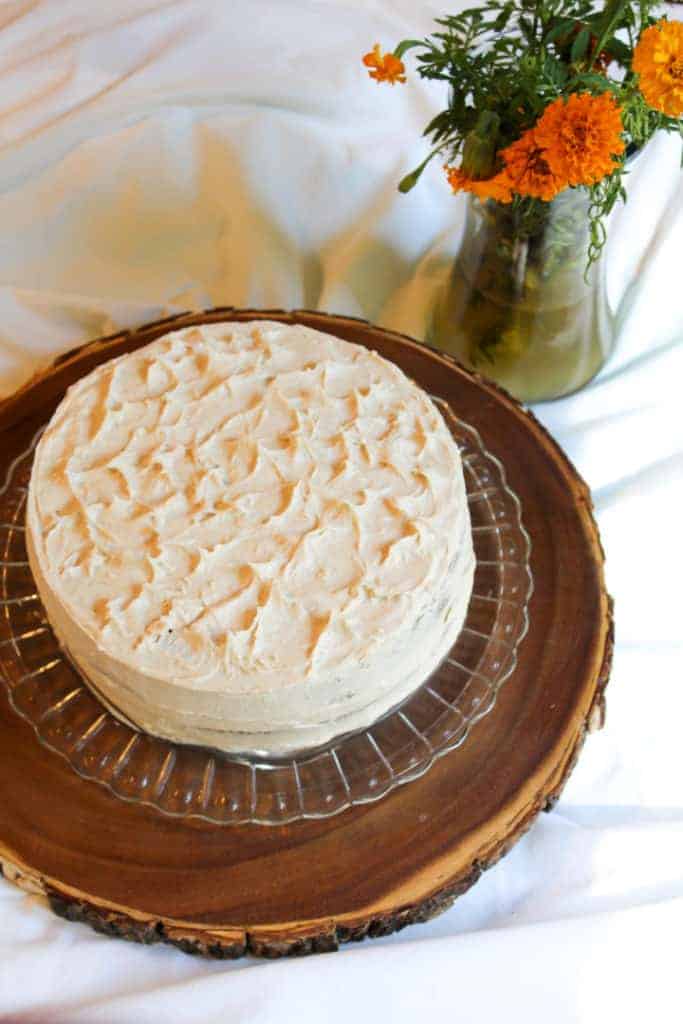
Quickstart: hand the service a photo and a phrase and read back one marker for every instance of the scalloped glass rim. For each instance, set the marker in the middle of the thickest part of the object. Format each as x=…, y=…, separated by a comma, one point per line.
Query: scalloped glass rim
x=190, y=782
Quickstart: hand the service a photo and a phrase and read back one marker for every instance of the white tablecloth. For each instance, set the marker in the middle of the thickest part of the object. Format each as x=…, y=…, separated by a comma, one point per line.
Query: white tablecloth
x=161, y=156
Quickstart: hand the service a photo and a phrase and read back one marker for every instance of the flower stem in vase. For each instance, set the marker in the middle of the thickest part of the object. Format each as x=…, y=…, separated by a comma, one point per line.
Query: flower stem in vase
x=519, y=305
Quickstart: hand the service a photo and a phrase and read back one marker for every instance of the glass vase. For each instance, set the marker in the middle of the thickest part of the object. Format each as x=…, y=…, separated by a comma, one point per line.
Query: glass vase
x=519, y=305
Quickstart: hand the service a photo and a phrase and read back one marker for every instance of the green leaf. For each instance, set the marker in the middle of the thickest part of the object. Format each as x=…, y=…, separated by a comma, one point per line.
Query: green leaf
x=501, y=21
x=590, y=80
x=405, y=45
x=612, y=15
x=563, y=28
x=438, y=123
x=555, y=70
x=580, y=45
x=620, y=51
x=457, y=119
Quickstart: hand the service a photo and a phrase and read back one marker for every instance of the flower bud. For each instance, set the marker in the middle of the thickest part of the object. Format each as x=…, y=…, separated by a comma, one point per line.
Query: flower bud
x=479, y=151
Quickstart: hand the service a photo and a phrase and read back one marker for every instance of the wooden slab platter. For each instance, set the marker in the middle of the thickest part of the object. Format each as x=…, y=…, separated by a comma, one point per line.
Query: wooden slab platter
x=133, y=872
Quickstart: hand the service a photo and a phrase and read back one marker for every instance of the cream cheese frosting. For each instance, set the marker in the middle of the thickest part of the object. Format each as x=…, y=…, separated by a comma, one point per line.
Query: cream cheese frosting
x=250, y=536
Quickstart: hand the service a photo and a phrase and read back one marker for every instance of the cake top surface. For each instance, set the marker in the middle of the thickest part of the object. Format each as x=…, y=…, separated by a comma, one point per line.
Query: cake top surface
x=241, y=501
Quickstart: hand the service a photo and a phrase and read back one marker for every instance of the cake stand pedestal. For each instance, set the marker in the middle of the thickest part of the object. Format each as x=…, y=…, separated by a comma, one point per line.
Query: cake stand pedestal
x=224, y=891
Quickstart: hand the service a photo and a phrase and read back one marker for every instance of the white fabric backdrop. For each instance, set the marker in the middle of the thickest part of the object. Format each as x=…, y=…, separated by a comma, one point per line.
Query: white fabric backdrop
x=161, y=156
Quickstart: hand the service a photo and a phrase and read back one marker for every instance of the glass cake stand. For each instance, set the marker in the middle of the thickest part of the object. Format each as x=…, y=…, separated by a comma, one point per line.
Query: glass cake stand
x=190, y=782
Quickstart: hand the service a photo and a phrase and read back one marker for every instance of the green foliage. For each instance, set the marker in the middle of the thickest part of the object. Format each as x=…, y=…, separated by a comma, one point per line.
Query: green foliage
x=511, y=58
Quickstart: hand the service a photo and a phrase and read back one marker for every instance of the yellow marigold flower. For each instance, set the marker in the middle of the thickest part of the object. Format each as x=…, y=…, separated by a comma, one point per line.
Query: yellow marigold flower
x=581, y=137
x=529, y=171
x=658, y=62
x=386, y=67
x=498, y=187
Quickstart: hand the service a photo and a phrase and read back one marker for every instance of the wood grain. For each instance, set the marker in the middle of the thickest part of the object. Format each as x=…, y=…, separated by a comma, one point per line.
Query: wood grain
x=309, y=886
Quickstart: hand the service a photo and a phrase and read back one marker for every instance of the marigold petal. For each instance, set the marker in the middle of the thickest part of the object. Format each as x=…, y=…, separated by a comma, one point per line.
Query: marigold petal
x=385, y=67
x=658, y=62
x=498, y=187
x=529, y=170
x=581, y=137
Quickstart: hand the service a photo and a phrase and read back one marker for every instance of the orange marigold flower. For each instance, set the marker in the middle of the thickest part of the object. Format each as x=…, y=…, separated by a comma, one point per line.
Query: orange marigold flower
x=529, y=170
x=498, y=187
x=658, y=62
x=386, y=67
x=581, y=137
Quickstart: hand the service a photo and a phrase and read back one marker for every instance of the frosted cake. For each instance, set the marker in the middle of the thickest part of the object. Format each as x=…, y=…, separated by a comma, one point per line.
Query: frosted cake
x=250, y=536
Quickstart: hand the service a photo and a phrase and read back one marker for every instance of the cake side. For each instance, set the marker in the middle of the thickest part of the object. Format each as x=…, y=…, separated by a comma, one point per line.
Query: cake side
x=226, y=722
x=250, y=530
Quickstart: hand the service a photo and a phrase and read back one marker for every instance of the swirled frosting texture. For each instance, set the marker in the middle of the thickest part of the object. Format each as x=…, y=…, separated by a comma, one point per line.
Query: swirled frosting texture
x=248, y=530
